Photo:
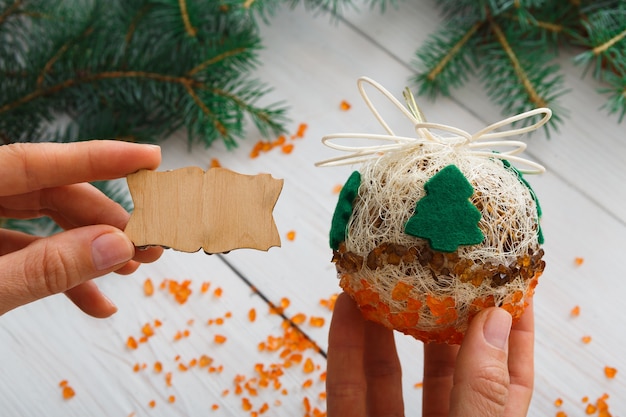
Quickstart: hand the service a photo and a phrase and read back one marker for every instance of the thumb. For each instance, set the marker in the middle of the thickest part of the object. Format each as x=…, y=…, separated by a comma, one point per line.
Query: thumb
x=481, y=377
x=61, y=262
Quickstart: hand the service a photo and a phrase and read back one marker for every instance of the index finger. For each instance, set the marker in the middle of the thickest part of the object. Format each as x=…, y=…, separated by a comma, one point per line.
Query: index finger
x=29, y=167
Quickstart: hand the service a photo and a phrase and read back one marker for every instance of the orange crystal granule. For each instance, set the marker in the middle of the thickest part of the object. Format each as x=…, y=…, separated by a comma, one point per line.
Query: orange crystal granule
x=68, y=392
x=308, y=366
x=575, y=312
x=291, y=235
x=252, y=315
x=586, y=339
x=219, y=339
x=401, y=291
x=578, y=261
x=215, y=163
x=148, y=287
x=610, y=372
x=131, y=342
x=246, y=404
x=558, y=402
x=316, y=321
x=287, y=148
x=344, y=105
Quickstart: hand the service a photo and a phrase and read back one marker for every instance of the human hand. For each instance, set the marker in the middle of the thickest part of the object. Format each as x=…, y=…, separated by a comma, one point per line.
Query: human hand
x=489, y=375
x=51, y=179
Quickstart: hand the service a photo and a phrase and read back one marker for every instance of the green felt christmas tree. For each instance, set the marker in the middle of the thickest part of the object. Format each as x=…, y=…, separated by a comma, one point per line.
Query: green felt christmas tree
x=445, y=216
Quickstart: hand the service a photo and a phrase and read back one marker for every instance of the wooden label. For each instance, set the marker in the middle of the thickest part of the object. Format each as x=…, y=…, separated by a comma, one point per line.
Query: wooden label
x=189, y=209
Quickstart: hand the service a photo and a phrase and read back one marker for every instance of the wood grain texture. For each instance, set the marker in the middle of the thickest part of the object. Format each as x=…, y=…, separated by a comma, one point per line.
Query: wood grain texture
x=218, y=210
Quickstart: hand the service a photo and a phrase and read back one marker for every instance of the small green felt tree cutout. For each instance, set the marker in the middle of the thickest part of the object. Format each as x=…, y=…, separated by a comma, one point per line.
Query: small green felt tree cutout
x=445, y=216
x=343, y=210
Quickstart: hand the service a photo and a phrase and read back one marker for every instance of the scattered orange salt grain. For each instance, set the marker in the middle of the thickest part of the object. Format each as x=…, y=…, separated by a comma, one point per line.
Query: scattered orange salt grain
x=205, y=361
x=330, y=302
x=418, y=385
x=171, y=399
x=575, y=312
x=316, y=321
x=307, y=404
x=287, y=148
x=610, y=372
x=337, y=188
x=590, y=409
x=215, y=163
x=585, y=399
x=301, y=130
x=264, y=408
x=152, y=404
x=298, y=318
x=586, y=339
x=205, y=287
x=344, y=105
x=136, y=368
x=168, y=379
x=291, y=235
x=148, y=287
x=308, y=383
x=558, y=402
x=578, y=261
x=131, y=343
x=158, y=367
x=561, y=414
x=147, y=330
x=219, y=339
x=252, y=315
x=246, y=404
x=218, y=292
x=308, y=366
x=67, y=392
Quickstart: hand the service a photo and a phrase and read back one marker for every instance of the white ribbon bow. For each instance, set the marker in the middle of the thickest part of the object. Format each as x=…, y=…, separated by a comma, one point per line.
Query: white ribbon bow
x=476, y=143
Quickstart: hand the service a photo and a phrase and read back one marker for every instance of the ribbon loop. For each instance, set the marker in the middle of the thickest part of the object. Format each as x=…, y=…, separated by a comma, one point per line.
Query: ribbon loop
x=479, y=143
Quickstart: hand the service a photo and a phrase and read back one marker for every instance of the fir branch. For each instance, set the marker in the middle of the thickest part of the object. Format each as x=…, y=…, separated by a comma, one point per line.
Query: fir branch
x=445, y=58
x=522, y=76
x=42, y=92
x=12, y=9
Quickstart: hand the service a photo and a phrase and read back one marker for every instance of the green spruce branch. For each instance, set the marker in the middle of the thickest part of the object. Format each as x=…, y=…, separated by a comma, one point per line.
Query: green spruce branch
x=512, y=45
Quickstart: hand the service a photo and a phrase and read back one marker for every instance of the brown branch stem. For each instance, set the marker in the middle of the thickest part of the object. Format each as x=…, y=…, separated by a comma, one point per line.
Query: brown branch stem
x=41, y=92
x=191, y=31
x=10, y=10
x=606, y=45
x=434, y=73
x=519, y=71
x=213, y=60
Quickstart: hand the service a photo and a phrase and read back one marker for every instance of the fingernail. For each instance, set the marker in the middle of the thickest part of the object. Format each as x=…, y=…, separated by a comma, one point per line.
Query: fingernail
x=497, y=328
x=111, y=249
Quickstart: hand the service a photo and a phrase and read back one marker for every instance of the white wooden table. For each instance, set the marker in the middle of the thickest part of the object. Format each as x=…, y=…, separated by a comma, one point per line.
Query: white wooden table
x=313, y=64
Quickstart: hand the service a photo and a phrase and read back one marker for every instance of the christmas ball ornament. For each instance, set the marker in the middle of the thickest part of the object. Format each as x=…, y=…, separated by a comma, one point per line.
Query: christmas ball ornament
x=433, y=228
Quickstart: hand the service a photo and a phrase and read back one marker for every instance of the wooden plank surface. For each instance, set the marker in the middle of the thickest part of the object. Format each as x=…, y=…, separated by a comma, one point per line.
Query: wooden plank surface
x=313, y=64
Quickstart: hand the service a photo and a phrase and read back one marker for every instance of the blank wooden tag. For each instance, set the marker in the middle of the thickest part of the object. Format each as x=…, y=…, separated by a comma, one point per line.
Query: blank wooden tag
x=218, y=210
